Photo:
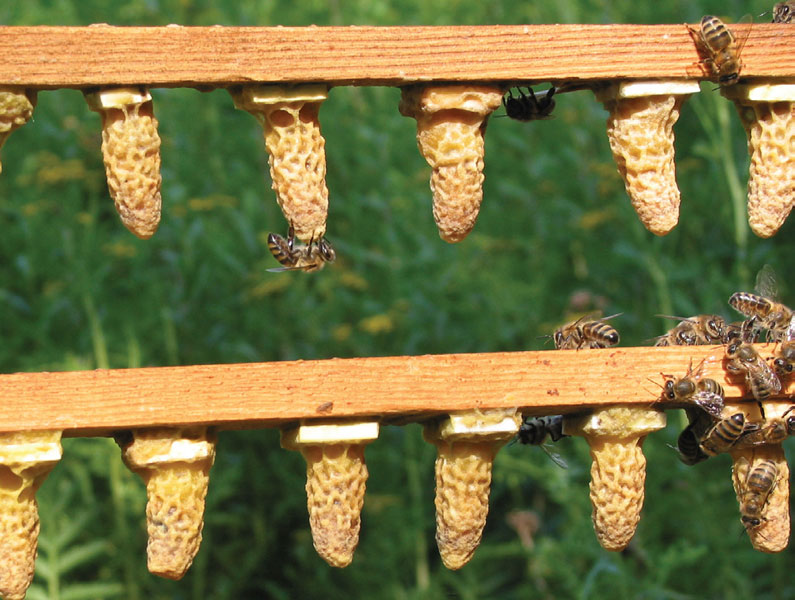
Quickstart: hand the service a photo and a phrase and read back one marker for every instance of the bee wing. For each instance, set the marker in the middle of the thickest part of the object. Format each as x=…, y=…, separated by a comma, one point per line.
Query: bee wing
x=766, y=284
x=742, y=37
x=790, y=333
x=280, y=269
x=555, y=457
x=709, y=402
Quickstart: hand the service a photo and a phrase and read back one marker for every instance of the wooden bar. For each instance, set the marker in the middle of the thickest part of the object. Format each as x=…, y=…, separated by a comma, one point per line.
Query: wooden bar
x=176, y=56
x=413, y=387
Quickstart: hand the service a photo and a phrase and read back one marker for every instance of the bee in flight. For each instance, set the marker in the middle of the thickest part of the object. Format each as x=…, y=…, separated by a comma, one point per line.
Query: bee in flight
x=694, y=331
x=528, y=107
x=311, y=257
x=777, y=318
x=784, y=11
x=586, y=333
x=760, y=379
x=721, y=48
x=759, y=482
x=705, y=393
x=535, y=431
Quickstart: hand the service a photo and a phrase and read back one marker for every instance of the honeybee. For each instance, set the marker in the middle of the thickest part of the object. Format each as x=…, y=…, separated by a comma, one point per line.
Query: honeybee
x=784, y=11
x=693, y=331
x=742, y=331
x=722, y=49
x=724, y=434
x=687, y=444
x=312, y=257
x=770, y=431
x=759, y=482
x=528, y=107
x=586, y=334
x=535, y=430
x=784, y=362
x=760, y=379
x=778, y=319
x=705, y=393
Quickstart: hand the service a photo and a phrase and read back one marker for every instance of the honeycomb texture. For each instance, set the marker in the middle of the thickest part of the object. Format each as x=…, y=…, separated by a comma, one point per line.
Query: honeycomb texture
x=772, y=534
x=618, y=477
x=19, y=524
x=770, y=127
x=451, y=122
x=131, y=152
x=15, y=110
x=175, y=494
x=640, y=132
x=336, y=477
x=297, y=158
x=463, y=481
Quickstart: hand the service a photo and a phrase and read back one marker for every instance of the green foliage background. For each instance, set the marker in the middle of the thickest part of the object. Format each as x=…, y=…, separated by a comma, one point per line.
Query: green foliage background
x=556, y=235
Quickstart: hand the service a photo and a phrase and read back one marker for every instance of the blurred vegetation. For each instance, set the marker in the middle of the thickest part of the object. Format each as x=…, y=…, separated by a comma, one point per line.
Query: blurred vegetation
x=556, y=236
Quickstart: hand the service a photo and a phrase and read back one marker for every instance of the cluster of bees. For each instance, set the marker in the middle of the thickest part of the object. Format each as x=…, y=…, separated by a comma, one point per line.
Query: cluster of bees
x=717, y=44
x=709, y=432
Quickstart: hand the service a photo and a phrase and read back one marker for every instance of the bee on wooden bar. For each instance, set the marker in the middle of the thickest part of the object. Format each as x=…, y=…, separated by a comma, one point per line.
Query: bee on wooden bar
x=528, y=107
x=721, y=47
x=693, y=331
x=759, y=482
x=777, y=318
x=784, y=362
x=760, y=379
x=584, y=333
x=312, y=257
x=770, y=431
x=742, y=331
x=723, y=435
x=705, y=393
x=535, y=431
x=784, y=11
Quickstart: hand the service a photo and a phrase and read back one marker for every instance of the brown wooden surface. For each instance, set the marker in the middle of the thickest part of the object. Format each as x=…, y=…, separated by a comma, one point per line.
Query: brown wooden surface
x=269, y=394
x=76, y=57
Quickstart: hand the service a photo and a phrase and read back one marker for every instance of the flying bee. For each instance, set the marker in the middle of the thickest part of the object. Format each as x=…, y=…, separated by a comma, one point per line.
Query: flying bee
x=535, y=430
x=784, y=362
x=760, y=379
x=584, y=333
x=759, y=482
x=771, y=431
x=722, y=436
x=693, y=331
x=705, y=393
x=783, y=12
x=777, y=318
x=528, y=107
x=721, y=48
x=312, y=257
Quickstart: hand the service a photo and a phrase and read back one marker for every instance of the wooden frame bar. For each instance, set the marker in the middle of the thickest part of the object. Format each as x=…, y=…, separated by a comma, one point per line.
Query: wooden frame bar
x=176, y=56
x=394, y=388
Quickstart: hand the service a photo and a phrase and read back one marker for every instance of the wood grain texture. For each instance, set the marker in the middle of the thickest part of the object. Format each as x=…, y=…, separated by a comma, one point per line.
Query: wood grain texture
x=175, y=56
x=270, y=394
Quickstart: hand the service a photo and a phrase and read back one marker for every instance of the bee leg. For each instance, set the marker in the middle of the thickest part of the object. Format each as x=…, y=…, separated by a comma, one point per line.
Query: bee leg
x=291, y=237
